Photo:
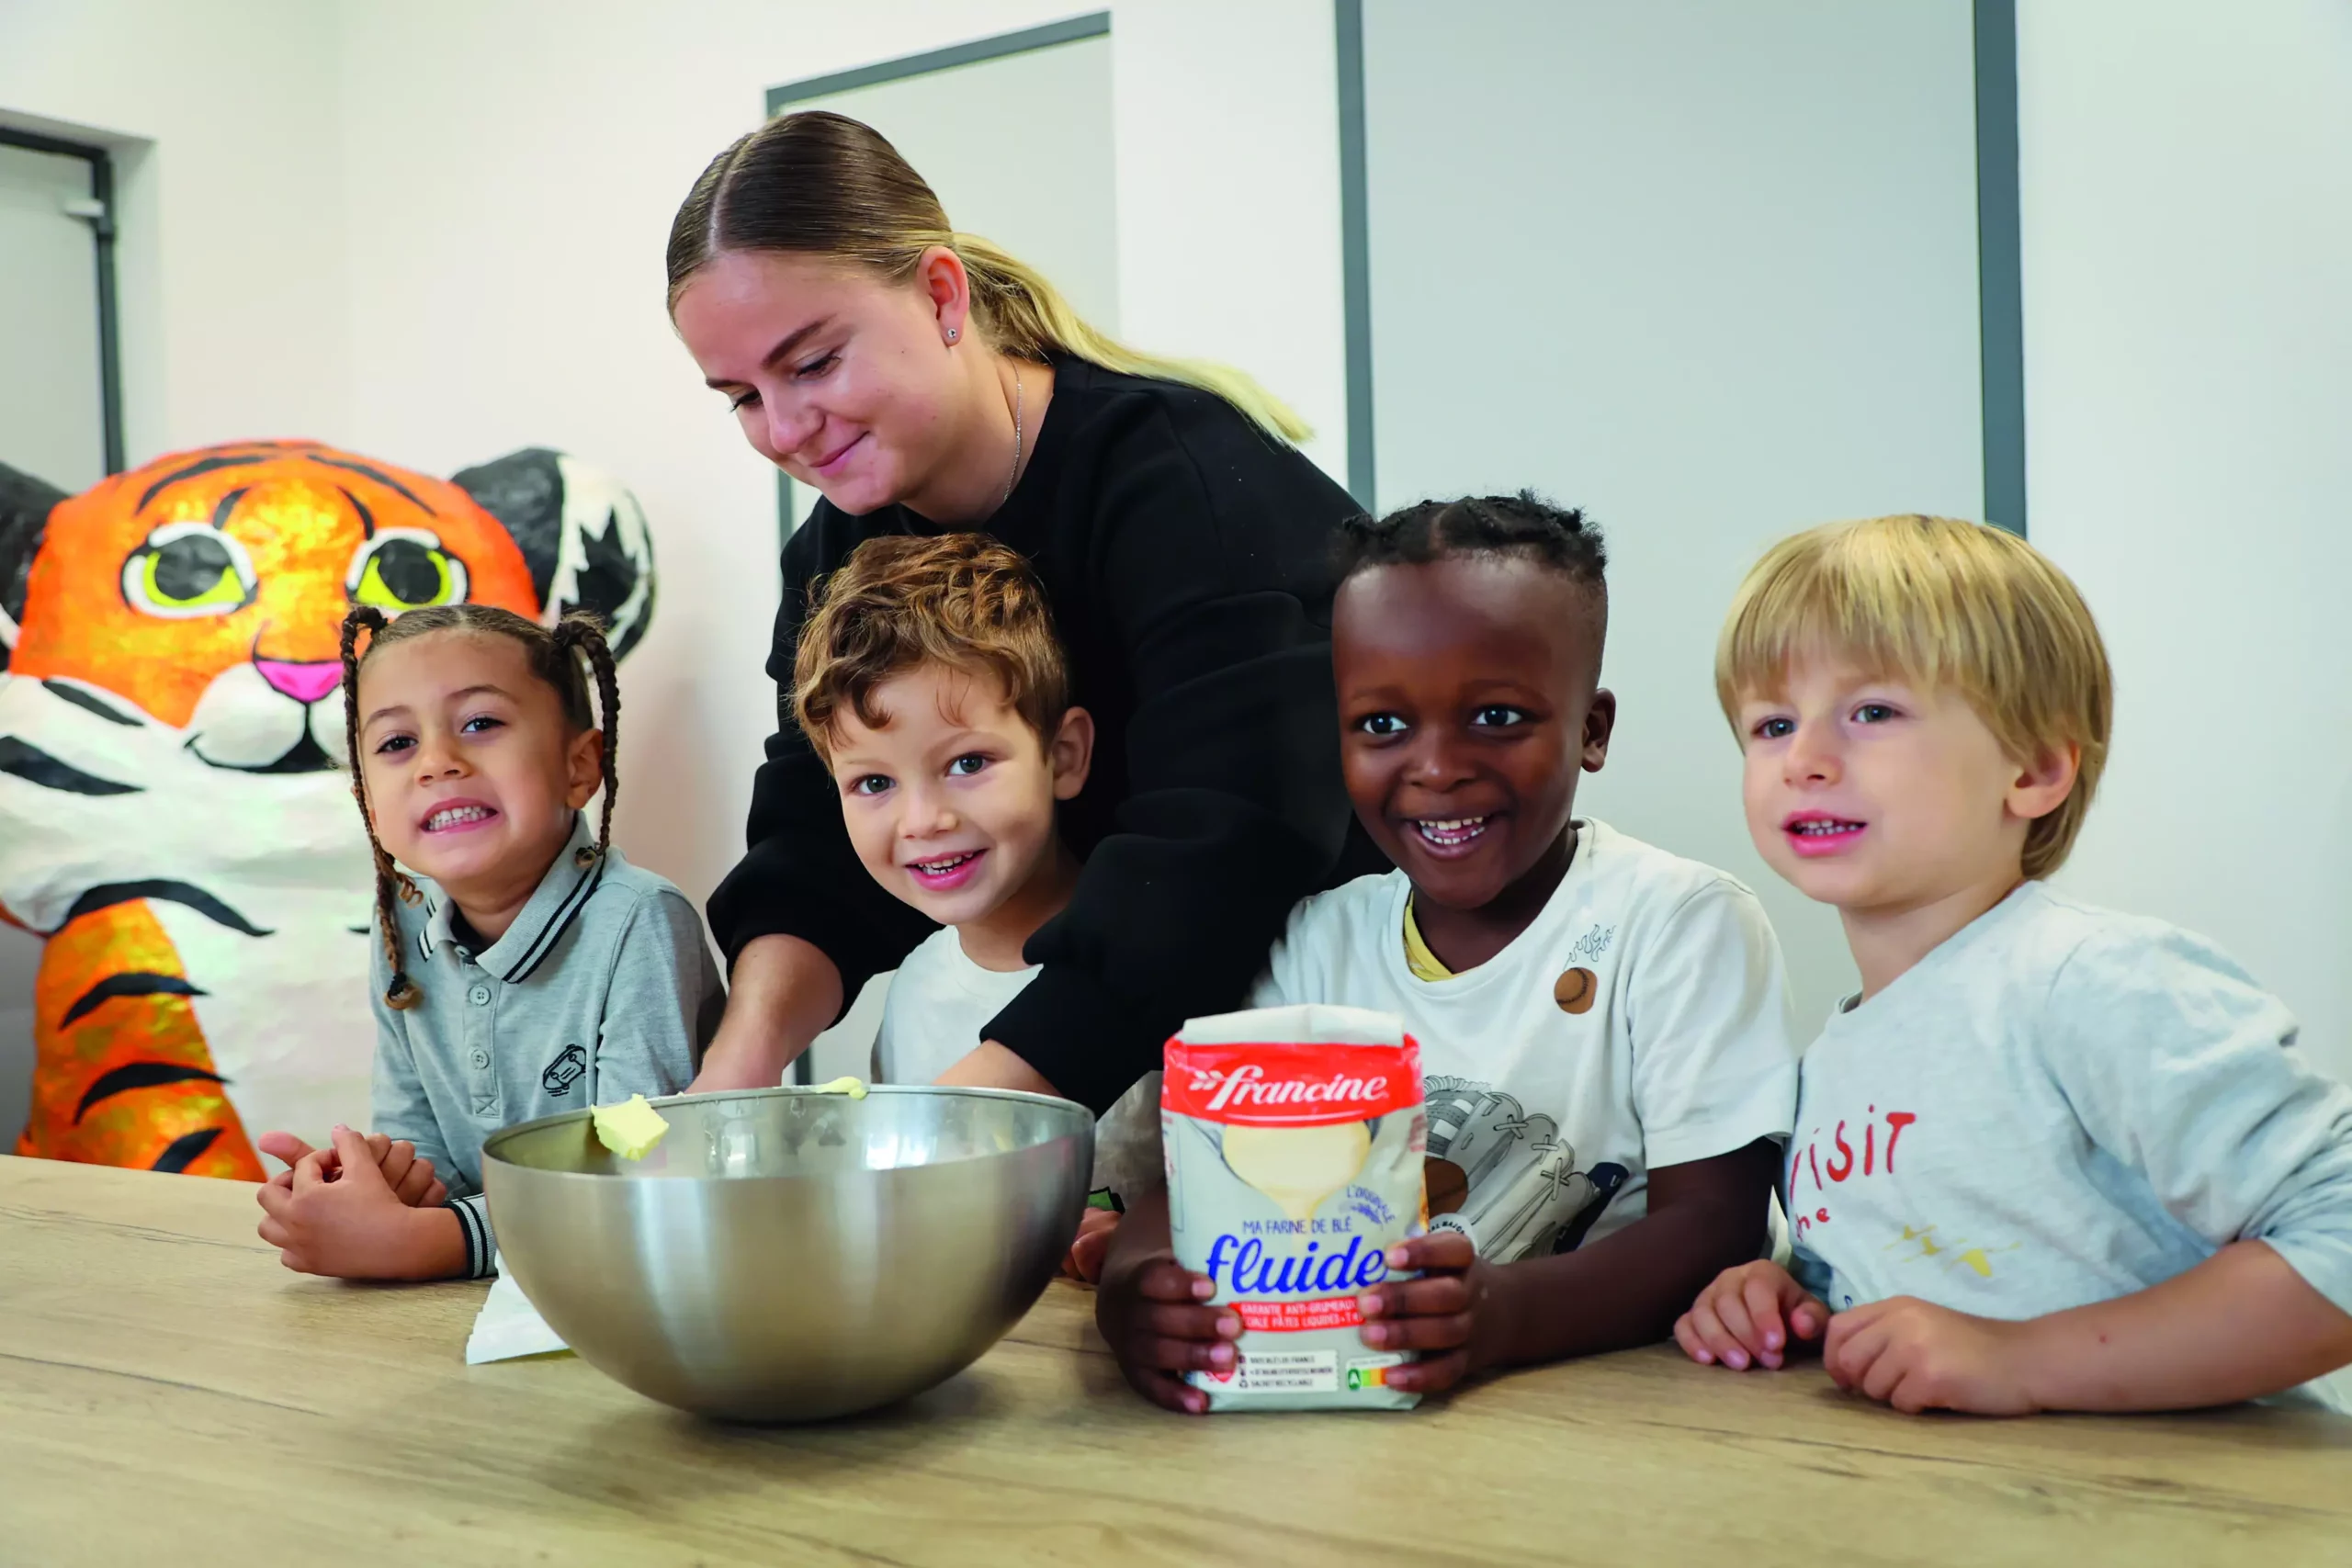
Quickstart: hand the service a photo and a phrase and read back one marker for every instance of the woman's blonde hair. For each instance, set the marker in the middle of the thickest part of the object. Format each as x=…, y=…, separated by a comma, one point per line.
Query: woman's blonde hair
x=825, y=185
x=1938, y=604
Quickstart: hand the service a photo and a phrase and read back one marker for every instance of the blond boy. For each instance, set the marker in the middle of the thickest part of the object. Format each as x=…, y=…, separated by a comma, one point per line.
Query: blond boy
x=2050, y=1156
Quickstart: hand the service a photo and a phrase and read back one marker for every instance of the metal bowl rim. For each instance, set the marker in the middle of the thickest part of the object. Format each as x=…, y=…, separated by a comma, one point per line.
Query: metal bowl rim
x=492, y=1146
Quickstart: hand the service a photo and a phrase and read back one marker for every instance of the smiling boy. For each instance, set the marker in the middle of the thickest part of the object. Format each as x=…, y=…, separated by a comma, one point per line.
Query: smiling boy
x=2051, y=1156
x=1602, y=1024
x=928, y=679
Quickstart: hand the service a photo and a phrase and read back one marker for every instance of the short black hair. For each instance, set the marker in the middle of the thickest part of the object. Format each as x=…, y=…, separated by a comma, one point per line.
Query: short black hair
x=1522, y=524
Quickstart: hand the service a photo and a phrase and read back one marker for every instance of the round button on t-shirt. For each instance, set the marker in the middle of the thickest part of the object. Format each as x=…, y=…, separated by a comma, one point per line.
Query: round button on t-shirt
x=481, y=1058
x=479, y=996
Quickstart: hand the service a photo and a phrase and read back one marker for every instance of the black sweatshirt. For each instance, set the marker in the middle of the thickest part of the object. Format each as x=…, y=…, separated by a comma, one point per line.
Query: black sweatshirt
x=1187, y=558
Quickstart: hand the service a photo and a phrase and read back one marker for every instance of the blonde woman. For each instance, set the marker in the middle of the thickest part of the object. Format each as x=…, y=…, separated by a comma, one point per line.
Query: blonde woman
x=924, y=382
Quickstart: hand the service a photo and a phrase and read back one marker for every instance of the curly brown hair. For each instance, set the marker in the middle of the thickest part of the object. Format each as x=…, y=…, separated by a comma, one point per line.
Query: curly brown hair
x=904, y=601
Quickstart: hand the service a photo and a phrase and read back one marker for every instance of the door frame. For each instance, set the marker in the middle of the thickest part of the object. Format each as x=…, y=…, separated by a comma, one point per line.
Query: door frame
x=1999, y=259
x=102, y=233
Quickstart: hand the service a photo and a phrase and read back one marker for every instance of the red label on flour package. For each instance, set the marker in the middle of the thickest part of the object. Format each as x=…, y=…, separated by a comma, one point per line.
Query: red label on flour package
x=1293, y=1139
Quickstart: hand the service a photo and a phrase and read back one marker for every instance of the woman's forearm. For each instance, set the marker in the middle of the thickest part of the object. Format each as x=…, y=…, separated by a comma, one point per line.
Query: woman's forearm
x=2241, y=1324
x=782, y=994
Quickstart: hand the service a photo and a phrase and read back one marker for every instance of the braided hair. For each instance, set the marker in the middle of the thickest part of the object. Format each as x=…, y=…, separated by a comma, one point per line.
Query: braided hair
x=1522, y=524
x=553, y=656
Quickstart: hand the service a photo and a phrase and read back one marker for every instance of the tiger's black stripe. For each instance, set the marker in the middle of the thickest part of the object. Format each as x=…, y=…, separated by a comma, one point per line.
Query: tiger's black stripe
x=379, y=474
x=32, y=765
x=131, y=982
x=201, y=466
x=141, y=1075
x=89, y=701
x=185, y=1149
x=168, y=891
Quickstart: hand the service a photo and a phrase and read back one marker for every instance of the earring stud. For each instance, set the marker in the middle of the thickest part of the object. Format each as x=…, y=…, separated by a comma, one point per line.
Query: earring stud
x=950, y=335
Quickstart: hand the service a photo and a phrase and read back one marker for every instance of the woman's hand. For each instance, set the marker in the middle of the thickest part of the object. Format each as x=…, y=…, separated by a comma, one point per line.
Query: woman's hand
x=1748, y=1317
x=1438, y=1314
x=353, y=1224
x=782, y=994
x=1096, y=1229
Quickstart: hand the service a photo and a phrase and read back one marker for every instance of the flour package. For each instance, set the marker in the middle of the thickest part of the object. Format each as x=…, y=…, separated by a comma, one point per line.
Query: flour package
x=1293, y=1138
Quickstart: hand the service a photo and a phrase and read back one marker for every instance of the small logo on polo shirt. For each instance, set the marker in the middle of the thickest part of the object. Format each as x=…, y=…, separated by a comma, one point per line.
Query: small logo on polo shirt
x=570, y=1064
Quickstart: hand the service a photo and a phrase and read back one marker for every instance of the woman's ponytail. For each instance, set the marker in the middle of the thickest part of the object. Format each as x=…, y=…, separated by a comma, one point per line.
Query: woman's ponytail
x=1024, y=315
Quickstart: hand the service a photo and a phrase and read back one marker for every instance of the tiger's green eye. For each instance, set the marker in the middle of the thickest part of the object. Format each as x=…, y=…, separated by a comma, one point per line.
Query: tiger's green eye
x=186, y=569
x=406, y=572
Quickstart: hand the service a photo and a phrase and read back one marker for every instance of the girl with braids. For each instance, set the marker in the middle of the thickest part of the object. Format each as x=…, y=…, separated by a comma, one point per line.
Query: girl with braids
x=926, y=383
x=525, y=968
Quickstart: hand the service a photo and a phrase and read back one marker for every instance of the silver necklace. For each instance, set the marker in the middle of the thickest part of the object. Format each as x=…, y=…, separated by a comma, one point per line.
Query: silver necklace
x=1011, y=478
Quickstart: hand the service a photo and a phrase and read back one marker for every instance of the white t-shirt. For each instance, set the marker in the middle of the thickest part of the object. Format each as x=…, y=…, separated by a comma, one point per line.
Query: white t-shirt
x=2060, y=1105
x=1641, y=1020
x=938, y=1003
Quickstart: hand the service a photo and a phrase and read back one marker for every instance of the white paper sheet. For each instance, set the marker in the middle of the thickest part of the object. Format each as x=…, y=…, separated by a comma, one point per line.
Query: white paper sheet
x=509, y=1325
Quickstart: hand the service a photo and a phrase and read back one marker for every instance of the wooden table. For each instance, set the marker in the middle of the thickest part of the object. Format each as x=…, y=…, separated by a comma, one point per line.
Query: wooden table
x=169, y=1395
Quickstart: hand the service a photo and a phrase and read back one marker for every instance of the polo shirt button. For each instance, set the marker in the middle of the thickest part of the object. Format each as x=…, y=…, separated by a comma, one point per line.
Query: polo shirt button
x=479, y=996
x=481, y=1058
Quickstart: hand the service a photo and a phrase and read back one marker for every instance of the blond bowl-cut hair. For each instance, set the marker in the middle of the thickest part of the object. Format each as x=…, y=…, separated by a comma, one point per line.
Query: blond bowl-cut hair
x=900, y=601
x=1939, y=604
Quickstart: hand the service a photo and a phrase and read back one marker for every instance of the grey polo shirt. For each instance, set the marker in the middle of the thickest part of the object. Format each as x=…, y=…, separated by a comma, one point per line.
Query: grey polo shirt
x=603, y=987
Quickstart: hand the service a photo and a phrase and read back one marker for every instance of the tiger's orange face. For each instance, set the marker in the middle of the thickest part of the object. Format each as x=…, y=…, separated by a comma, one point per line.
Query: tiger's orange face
x=209, y=588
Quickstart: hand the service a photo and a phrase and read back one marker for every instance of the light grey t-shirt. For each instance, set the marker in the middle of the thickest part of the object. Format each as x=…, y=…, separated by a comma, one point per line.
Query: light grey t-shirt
x=603, y=987
x=938, y=1003
x=2060, y=1105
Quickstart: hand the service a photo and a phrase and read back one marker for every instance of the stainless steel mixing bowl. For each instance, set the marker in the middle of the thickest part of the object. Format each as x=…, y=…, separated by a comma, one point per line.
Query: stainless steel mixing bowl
x=784, y=1255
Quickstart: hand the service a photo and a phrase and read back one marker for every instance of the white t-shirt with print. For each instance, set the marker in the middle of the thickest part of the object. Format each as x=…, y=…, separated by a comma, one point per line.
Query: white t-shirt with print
x=2060, y=1105
x=931, y=1018
x=1641, y=1020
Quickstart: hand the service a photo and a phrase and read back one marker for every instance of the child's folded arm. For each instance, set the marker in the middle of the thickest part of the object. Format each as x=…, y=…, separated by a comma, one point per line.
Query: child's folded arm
x=400, y=1110
x=2241, y=1324
x=1629, y=1287
x=658, y=1008
x=2182, y=1068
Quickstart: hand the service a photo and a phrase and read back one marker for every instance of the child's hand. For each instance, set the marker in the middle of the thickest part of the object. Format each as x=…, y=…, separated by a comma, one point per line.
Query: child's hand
x=1916, y=1357
x=1095, y=1229
x=1437, y=1314
x=337, y=1214
x=1747, y=1317
x=1151, y=1316
x=411, y=1180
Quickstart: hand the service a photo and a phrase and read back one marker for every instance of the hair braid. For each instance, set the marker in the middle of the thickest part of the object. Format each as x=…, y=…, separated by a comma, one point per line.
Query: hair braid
x=401, y=993
x=582, y=631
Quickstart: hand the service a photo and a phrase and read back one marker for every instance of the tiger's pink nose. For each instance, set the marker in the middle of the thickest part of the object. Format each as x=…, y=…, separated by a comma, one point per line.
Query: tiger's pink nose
x=305, y=682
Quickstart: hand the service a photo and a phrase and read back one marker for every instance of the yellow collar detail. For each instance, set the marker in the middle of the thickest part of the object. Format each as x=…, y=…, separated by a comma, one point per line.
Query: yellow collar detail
x=1425, y=964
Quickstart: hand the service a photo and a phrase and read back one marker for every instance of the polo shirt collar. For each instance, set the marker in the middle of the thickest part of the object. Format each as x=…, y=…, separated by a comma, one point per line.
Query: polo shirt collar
x=561, y=894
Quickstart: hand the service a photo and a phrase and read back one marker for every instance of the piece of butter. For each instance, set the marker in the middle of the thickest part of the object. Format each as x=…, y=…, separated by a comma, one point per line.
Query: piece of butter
x=629, y=1129
x=853, y=1088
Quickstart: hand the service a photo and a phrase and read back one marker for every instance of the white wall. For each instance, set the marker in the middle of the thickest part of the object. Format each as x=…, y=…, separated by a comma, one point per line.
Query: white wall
x=1705, y=269
x=234, y=291
x=2187, y=197
x=434, y=230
